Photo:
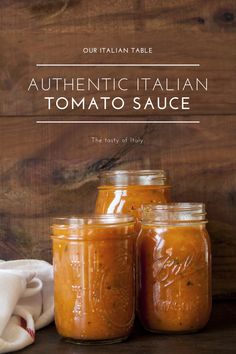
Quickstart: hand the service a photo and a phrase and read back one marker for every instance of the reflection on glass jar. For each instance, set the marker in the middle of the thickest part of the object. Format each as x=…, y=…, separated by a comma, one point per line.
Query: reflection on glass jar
x=126, y=191
x=174, y=268
x=94, y=277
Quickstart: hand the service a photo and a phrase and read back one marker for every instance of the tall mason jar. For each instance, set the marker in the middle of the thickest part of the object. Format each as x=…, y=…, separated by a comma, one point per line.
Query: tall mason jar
x=126, y=191
x=94, y=275
x=174, y=268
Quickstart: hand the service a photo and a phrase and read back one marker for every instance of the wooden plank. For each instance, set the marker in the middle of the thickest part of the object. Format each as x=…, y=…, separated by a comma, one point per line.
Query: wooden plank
x=117, y=15
x=215, y=54
x=51, y=170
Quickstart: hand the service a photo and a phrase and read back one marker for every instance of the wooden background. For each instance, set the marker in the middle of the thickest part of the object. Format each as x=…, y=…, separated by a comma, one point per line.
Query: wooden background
x=50, y=170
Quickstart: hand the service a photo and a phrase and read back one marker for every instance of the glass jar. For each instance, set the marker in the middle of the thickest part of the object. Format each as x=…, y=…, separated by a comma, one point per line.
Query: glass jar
x=126, y=191
x=174, y=268
x=94, y=277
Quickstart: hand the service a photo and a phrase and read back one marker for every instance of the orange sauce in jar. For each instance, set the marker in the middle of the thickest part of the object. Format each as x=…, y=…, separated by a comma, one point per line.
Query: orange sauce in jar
x=126, y=191
x=174, y=268
x=94, y=280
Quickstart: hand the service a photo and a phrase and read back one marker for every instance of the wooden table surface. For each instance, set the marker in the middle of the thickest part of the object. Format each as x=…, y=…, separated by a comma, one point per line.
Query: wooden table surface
x=218, y=337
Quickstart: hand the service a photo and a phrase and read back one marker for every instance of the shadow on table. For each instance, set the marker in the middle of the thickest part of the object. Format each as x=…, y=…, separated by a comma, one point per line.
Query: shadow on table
x=219, y=337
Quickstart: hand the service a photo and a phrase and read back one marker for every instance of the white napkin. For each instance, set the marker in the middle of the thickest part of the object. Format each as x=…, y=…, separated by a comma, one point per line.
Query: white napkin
x=26, y=301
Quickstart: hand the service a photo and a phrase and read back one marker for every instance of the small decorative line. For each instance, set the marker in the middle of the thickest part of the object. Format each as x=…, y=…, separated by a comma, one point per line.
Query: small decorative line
x=30, y=331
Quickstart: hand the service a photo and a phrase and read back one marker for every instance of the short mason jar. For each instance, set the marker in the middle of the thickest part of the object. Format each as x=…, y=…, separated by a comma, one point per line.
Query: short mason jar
x=174, y=268
x=125, y=191
x=94, y=277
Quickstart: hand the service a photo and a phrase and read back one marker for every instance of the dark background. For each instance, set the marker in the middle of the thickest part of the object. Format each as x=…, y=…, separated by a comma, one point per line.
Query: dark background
x=50, y=170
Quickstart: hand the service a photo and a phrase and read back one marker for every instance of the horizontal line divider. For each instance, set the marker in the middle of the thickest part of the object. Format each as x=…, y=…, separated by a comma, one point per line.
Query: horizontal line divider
x=117, y=65
x=117, y=115
x=117, y=122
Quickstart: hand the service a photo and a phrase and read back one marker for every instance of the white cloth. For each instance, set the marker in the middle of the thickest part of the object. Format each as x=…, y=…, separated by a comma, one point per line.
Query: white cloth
x=26, y=301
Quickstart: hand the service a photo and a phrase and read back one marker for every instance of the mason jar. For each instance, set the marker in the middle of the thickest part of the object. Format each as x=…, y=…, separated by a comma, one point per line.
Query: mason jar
x=174, y=268
x=125, y=191
x=94, y=277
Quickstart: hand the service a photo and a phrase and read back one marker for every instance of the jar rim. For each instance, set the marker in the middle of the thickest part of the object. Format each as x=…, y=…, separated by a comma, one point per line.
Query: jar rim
x=133, y=177
x=98, y=220
x=179, y=206
x=158, y=173
x=173, y=213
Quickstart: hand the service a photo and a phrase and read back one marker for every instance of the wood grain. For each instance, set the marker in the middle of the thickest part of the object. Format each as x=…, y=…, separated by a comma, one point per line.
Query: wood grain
x=218, y=337
x=20, y=53
x=51, y=170
x=117, y=15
